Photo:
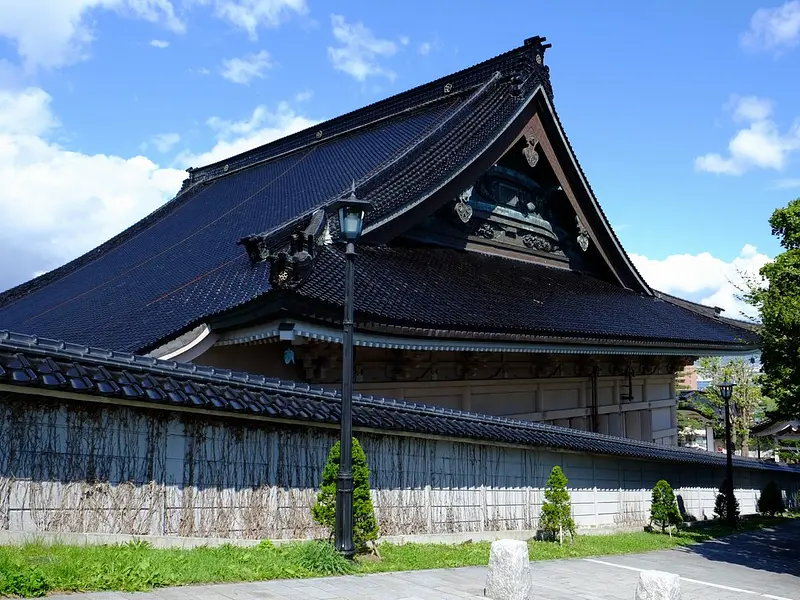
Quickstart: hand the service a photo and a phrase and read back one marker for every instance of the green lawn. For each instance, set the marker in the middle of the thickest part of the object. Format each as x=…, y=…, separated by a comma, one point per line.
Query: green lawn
x=37, y=569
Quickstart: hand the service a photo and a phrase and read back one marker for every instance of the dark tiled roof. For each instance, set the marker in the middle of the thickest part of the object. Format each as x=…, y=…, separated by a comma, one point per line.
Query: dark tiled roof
x=708, y=311
x=182, y=263
x=777, y=428
x=46, y=364
x=462, y=290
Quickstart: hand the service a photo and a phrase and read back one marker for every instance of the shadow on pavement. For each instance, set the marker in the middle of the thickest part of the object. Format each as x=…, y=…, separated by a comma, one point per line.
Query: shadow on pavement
x=775, y=549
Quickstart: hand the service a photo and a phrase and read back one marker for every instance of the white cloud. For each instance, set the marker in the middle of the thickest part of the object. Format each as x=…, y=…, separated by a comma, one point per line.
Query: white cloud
x=249, y=15
x=750, y=108
x=159, y=43
x=64, y=203
x=234, y=137
x=760, y=144
x=704, y=278
x=243, y=70
x=303, y=96
x=163, y=142
x=358, y=56
x=26, y=113
x=53, y=33
x=425, y=48
x=405, y=40
x=786, y=184
x=774, y=29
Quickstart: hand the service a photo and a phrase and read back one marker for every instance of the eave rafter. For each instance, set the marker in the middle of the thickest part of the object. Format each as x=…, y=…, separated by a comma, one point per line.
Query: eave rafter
x=416, y=339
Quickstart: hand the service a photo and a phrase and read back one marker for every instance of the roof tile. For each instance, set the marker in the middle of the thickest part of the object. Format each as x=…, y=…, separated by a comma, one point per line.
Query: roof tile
x=170, y=383
x=183, y=263
x=459, y=290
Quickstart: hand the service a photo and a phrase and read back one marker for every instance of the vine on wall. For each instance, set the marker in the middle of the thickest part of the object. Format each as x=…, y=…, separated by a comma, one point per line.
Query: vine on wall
x=77, y=468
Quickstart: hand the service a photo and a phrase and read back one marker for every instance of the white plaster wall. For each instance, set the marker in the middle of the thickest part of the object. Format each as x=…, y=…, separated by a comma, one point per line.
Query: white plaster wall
x=651, y=415
x=89, y=468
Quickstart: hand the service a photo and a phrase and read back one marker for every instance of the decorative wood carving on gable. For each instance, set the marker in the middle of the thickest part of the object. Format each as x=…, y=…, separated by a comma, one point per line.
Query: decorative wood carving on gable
x=507, y=210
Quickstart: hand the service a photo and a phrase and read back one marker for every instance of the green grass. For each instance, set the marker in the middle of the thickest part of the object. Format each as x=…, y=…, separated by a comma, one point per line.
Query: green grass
x=36, y=569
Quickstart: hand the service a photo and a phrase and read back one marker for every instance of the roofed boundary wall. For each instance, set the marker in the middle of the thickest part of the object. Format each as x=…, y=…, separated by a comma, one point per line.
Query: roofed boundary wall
x=70, y=467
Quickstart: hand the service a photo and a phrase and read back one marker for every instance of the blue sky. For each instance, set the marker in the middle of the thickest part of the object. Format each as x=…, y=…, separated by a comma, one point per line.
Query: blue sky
x=683, y=114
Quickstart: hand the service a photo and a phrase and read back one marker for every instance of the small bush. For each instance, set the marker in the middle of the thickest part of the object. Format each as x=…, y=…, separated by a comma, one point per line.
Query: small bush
x=127, y=573
x=22, y=581
x=771, y=500
x=321, y=558
x=664, y=508
x=721, y=503
x=365, y=527
x=557, y=508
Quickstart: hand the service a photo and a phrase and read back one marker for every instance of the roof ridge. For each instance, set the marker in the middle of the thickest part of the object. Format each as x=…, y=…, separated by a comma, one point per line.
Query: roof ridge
x=471, y=77
x=434, y=91
x=291, y=225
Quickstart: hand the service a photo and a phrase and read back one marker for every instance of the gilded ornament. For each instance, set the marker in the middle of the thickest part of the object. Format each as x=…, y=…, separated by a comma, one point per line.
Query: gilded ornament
x=531, y=155
x=583, y=235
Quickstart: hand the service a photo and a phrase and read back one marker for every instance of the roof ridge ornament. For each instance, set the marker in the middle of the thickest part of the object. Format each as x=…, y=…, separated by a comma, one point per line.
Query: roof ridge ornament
x=537, y=42
x=289, y=268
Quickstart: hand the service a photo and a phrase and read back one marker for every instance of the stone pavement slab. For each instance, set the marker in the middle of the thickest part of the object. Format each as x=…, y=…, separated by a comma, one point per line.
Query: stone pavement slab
x=754, y=565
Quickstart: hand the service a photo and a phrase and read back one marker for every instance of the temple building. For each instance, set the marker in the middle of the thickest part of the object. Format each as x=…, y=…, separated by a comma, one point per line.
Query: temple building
x=488, y=278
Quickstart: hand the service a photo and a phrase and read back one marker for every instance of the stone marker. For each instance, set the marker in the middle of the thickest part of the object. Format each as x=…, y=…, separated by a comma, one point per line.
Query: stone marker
x=657, y=585
x=509, y=575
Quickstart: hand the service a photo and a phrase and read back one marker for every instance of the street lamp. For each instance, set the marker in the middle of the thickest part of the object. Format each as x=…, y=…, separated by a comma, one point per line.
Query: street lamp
x=351, y=220
x=726, y=391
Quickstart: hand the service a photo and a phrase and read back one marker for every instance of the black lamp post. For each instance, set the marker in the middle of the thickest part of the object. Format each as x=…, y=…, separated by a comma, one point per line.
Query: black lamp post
x=726, y=391
x=351, y=220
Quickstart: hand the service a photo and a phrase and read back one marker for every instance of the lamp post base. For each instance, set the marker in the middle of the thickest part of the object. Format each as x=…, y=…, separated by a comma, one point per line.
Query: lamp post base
x=344, y=515
x=730, y=508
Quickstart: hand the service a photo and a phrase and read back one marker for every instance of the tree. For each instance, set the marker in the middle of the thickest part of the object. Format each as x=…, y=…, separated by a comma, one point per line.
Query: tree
x=365, y=527
x=747, y=401
x=721, y=504
x=680, y=380
x=557, y=508
x=664, y=508
x=771, y=500
x=777, y=297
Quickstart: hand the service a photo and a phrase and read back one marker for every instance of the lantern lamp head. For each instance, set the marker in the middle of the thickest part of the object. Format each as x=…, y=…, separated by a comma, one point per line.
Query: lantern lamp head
x=351, y=215
x=726, y=390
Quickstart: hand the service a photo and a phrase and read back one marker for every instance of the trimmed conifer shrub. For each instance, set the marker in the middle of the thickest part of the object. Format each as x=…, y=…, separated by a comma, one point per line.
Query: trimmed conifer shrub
x=771, y=500
x=556, y=516
x=721, y=503
x=664, y=511
x=365, y=527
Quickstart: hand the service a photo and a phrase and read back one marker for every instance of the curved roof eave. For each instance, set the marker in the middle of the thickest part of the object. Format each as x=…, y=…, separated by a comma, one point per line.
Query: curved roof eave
x=616, y=257
x=611, y=240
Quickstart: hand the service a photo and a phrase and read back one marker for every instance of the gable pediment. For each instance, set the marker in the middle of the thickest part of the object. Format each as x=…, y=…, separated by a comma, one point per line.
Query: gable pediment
x=516, y=208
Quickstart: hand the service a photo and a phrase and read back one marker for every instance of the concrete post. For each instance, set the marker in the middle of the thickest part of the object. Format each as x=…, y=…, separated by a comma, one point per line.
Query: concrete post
x=657, y=585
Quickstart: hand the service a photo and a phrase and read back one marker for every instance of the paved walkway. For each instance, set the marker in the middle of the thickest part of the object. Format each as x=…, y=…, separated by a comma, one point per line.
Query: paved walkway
x=764, y=564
